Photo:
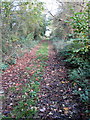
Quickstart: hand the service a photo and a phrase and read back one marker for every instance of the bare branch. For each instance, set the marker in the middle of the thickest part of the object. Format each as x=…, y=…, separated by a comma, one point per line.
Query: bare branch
x=54, y=16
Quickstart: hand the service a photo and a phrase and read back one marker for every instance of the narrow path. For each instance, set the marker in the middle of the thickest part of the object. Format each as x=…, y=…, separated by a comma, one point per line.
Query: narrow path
x=56, y=98
x=14, y=78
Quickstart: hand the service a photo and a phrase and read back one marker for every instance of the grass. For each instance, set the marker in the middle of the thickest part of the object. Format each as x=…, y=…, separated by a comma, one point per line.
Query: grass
x=43, y=50
x=27, y=103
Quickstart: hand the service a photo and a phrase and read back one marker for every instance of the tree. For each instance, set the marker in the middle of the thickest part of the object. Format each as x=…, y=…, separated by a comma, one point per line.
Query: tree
x=62, y=18
x=20, y=20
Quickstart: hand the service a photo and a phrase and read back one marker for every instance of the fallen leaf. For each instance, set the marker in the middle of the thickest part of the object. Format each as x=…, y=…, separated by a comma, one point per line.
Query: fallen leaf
x=60, y=69
x=66, y=108
x=74, y=84
x=17, y=84
x=60, y=110
x=43, y=109
x=17, y=89
x=25, y=104
x=79, y=89
x=37, y=79
x=63, y=82
x=32, y=72
x=39, y=65
x=50, y=113
x=66, y=112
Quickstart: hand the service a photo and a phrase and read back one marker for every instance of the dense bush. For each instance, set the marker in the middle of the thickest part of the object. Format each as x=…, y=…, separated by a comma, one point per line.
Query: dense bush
x=76, y=54
x=21, y=27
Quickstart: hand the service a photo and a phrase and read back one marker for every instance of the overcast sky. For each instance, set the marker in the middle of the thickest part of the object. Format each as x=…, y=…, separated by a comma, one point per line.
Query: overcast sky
x=51, y=5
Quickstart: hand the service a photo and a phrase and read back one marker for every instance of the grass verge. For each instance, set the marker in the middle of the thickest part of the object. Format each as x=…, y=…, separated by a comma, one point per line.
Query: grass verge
x=26, y=90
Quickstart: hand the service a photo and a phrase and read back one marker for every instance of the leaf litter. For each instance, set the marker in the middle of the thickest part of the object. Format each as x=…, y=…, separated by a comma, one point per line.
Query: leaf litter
x=55, y=95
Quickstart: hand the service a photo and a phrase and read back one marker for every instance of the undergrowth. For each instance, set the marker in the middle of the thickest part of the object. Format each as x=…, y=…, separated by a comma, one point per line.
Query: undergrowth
x=77, y=62
x=76, y=54
x=26, y=107
x=17, y=53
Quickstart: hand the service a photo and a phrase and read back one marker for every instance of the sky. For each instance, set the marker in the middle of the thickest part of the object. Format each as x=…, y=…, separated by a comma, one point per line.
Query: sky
x=51, y=5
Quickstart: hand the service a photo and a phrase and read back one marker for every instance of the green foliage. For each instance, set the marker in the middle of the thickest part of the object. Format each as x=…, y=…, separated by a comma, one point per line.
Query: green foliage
x=76, y=54
x=26, y=107
x=11, y=61
x=78, y=61
x=14, y=38
x=30, y=36
x=43, y=50
x=80, y=77
x=21, y=27
x=58, y=44
x=28, y=68
x=29, y=41
x=80, y=22
x=3, y=66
